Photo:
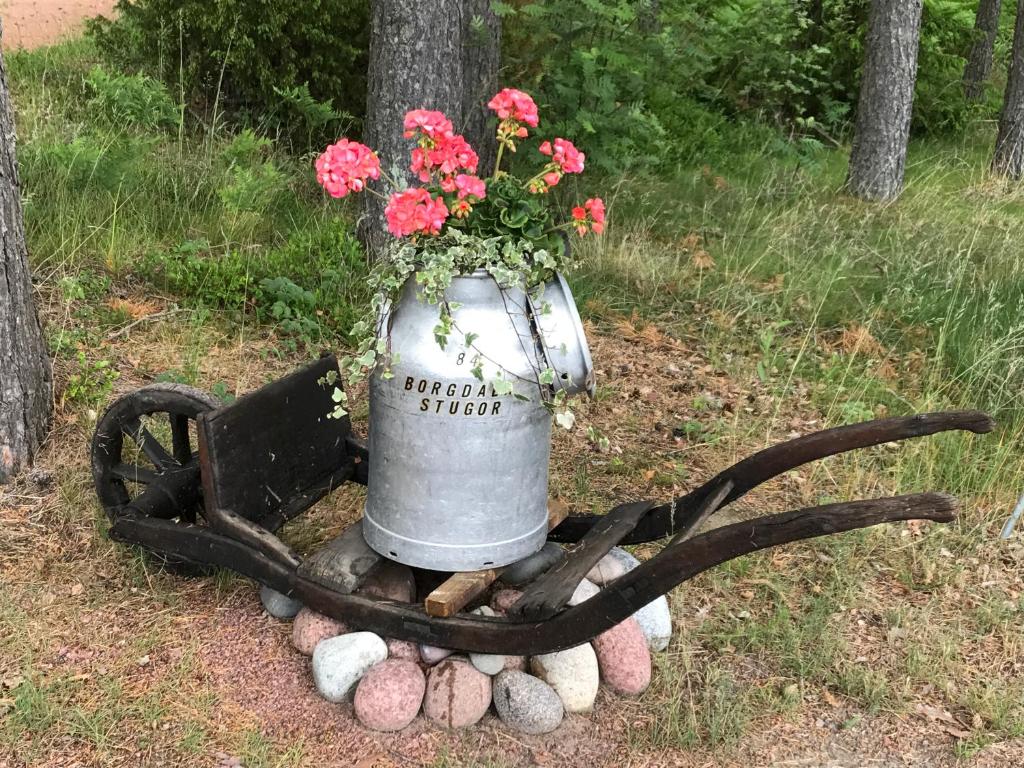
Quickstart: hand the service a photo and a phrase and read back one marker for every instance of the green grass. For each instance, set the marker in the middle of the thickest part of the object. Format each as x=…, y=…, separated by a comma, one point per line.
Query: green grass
x=762, y=264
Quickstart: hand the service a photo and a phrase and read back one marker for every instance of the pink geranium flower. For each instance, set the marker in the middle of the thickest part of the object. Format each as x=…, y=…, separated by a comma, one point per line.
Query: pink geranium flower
x=589, y=217
x=509, y=103
x=345, y=166
x=414, y=211
x=429, y=123
x=470, y=186
x=452, y=153
x=569, y=159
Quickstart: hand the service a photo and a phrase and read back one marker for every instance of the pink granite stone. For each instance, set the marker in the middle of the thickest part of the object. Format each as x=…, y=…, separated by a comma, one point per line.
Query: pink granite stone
x=515, y=663
x=624, y=658
x=403, y=649
x=504, y=599
x=310, y=627
x=458, y=694
x=389, y=695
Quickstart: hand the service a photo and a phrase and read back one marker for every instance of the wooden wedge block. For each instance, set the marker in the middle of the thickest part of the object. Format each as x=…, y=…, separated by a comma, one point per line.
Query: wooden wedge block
x=461, y=588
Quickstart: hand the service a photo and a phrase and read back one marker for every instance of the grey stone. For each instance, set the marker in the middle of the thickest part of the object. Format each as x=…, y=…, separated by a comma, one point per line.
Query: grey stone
x=655, y=620
x=340, y=662
x=279, y=606
x=531, y=567
x=488, y=663
x=527, y=703
x=573, y=673
x=616, y=563
x=584, y=591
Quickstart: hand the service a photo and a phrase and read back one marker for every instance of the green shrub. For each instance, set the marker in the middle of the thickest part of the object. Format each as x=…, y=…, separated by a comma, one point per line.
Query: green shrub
x=242, y=54
x=135, y=100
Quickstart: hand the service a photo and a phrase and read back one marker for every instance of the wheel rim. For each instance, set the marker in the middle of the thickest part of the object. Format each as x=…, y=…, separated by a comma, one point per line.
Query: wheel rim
x=142, y=437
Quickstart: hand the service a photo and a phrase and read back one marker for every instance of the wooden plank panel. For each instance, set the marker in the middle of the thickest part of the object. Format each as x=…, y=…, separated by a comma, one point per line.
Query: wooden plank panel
x=459, y=590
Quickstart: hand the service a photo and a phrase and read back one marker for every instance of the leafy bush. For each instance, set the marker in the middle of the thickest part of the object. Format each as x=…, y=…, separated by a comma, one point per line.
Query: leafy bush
x=242, y=54
x=135, y=100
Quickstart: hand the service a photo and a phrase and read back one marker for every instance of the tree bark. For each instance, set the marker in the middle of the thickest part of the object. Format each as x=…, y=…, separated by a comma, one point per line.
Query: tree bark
x=26, y=384
x=882, y=129
x=415, y=63
x=979, y=60
x=1008, y=159
x=481, y=61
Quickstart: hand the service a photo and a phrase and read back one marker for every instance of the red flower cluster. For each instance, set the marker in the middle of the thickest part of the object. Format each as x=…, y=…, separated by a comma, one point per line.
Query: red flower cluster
x=344, y=167
x=430, y=124
x=589, y=216
x=414, y=211
x=444, y=158
x=510, y=104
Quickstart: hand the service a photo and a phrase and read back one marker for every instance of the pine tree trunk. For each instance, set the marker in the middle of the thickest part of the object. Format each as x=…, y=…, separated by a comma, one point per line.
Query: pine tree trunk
x=979, y=60
x=26, y=385
x=415, y=63
x=1009, y=155
x=886, y=100
x=481, y=61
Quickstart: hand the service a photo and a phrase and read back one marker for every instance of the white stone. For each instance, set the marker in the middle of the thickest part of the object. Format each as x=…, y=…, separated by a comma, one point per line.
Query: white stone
x=488, y=663
x=339, y=662
x=431, y=654
x=584, y=591
x=278, y=605
x=573, y=673
x=655, y=619
x=616, y=563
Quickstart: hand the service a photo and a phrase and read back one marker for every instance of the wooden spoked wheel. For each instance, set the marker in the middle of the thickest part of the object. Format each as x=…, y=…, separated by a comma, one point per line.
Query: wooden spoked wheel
x=147, y=440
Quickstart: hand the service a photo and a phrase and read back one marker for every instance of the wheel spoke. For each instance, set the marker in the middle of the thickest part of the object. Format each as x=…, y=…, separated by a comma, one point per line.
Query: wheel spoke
x=150, y=445
x=179, y=439
x=134, y=473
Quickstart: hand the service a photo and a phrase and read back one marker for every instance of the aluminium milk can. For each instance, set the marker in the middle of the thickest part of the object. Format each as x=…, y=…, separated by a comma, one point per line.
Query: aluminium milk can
x=458, y=479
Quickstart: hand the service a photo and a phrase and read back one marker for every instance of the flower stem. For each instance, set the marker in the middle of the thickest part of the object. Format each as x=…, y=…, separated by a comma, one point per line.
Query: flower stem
x=497, y=158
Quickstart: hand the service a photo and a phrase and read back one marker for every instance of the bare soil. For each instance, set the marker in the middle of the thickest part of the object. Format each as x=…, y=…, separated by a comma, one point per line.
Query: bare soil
x=135, y=667
x=31, y=23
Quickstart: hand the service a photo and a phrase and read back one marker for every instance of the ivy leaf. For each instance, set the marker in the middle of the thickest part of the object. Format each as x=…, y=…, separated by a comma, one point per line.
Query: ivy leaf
x=502, y=386
x=565, y=419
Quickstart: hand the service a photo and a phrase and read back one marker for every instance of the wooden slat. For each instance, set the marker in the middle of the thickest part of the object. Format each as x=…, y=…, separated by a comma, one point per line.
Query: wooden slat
x=459, y=590
x=548, y=594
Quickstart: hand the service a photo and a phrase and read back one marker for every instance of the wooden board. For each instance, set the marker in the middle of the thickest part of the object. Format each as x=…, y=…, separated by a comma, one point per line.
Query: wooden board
x=459, y=590
x=274, y=452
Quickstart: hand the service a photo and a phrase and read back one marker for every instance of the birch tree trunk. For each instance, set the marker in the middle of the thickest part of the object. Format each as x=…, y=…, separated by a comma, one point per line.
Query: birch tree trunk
x=1008, y=159
x=979, y=60
x=415, y=63
x=886, y=100
x=481, y=61
x=26, y=385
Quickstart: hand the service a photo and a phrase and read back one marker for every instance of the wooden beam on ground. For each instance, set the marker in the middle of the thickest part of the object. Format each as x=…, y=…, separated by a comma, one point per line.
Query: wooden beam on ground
x=459, y=590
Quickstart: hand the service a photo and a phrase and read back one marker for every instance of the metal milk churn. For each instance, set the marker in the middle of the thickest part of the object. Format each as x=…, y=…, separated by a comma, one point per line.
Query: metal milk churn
x=459, y=476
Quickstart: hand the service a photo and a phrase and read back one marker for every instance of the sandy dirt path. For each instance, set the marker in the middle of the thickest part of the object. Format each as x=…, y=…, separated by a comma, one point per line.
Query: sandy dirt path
x=30, y=23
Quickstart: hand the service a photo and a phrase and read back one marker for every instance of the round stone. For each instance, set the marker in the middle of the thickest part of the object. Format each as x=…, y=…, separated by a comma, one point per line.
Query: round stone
x=278, y=605
x=655, y=620
x=389, y=695
x=403, y=649
x=488, y=663
x=527, y=703
x=504, y=599
x=616, y=563
x=529, y=568
x=458, y=695
x=518, y=663
x=430, y=654
x=585, y=590
x=340, y=662
x=311, y=627
x=390, y=581
x=624, y=659
x=572, y=673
